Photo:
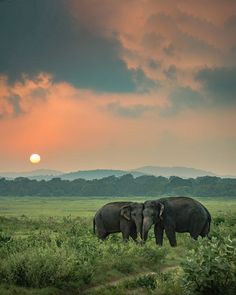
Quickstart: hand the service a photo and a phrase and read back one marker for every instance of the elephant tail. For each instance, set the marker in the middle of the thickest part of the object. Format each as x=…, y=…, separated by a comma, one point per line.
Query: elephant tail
x=94, y=226
x=209, y=221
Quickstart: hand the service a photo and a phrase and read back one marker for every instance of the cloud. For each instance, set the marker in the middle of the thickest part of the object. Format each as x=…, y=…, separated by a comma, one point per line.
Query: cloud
x=134, y=111
x=182, y=99
x=180, y=37
x=43, y=37
x=18, y=98
x=74, y=128
x=219, y=84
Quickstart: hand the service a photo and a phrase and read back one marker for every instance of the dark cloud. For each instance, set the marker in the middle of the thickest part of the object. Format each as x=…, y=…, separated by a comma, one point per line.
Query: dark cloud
x=14, y=100
x=134, y=111
x=218, y=90
x=219, y=84
x=183, y=98
x=18, y=98
x=169, y=50
x=171, y=72
x=153, y=64
x=144, y=84
x=41, y=36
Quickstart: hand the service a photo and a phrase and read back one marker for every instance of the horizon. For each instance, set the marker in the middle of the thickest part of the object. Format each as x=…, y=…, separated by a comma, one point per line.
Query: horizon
x=137, y=169
x=120, y=84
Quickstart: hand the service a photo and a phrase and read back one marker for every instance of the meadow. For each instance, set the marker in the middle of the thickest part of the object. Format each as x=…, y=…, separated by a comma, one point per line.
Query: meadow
x=47, y=247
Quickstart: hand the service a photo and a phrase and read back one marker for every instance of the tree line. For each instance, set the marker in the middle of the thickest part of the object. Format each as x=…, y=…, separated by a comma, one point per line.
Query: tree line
x=206, y=186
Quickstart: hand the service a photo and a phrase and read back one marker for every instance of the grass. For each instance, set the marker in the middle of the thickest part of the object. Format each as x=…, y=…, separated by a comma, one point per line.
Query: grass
x=39, y=236
x=86, y=206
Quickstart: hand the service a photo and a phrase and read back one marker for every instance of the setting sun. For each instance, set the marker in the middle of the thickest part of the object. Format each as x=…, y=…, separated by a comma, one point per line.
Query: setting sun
x=35, y=158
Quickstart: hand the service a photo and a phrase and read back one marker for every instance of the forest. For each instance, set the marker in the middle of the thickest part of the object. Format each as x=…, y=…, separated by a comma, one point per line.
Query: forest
x=206, y=186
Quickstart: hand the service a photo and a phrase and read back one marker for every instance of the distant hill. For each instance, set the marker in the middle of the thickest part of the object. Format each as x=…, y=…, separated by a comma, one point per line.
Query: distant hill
x=48, y=174
x=182, y=172
x=98, y=174
x=35, y=174
x=85, y=174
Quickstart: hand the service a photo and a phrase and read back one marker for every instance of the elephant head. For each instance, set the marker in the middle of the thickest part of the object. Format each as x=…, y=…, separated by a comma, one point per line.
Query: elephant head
x=134, y=212
x=152, y=214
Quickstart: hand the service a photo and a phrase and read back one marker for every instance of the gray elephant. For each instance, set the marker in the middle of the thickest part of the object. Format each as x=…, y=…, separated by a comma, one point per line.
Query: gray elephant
x=175, y=214
x=124, y=217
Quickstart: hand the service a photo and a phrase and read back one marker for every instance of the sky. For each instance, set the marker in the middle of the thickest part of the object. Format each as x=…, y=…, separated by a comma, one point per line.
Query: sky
x=118, y=84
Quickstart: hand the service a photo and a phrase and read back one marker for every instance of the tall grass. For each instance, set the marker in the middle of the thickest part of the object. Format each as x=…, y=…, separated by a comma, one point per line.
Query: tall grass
x=66, y=253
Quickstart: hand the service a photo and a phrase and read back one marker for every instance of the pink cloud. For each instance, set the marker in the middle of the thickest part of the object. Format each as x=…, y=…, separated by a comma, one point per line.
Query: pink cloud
x=187, y=35
x=22, y=95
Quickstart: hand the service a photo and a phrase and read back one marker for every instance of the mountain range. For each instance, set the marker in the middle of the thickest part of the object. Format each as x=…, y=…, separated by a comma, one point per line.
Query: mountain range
x=47, y=174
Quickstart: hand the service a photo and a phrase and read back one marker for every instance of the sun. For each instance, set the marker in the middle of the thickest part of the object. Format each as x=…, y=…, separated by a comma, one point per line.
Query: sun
x=35, y=158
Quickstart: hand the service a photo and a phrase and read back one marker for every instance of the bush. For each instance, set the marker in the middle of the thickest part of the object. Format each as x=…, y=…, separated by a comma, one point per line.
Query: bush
x=38, y=267
x=147, y=281
x=4, y=238
x=210, y=268
x=169, y=282
x=67, y=254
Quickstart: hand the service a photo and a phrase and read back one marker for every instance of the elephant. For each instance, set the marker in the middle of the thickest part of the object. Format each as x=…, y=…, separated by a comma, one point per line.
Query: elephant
x=124, y=217
x=175, y=214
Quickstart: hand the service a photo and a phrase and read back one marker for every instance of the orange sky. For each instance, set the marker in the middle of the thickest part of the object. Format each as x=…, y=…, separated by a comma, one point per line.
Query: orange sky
x=180, y=56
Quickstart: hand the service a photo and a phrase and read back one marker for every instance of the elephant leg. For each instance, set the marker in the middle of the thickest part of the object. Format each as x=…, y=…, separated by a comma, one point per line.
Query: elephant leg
x=205, y=230
x=101, y=231
x=125, y=236
x=196, y=229
x=126, y=230
x=133, y=233
x=103, y=235
x=158, y=234
x=171, y=235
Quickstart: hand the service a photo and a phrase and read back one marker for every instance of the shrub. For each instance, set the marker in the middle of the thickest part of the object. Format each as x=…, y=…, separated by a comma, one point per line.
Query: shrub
x=218, y=220
x=152, y=254
x=169, y=283
x=38, y=267
x=4, y=238
x=125, y=265
x=147, y=281
x=67, y=254
x=210, y=268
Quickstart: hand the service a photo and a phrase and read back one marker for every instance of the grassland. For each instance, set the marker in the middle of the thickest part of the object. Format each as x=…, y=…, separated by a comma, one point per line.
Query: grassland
x=86, y=206
x=47, y=247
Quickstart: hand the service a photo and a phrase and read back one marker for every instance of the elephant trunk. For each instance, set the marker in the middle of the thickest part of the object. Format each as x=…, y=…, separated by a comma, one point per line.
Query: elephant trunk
x=147, y=223
x=138, y=224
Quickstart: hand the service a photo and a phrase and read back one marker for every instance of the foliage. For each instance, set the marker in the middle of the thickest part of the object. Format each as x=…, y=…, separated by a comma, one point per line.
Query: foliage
x=62, y=256
x=120, y=186
x=210, y=268
x=39, y=267
x=147, y=281
x=66, y=254
x=169, y=283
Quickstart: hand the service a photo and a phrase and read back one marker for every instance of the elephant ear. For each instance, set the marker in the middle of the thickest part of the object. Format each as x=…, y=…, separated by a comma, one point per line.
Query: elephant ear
x=125, y=212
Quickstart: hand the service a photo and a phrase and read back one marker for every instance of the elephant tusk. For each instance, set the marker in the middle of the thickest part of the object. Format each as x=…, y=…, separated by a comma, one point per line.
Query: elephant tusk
x=139, y=237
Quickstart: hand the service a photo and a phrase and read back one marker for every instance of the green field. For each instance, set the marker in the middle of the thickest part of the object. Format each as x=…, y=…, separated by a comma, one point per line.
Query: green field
x=87, y=206
x=47, y=247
